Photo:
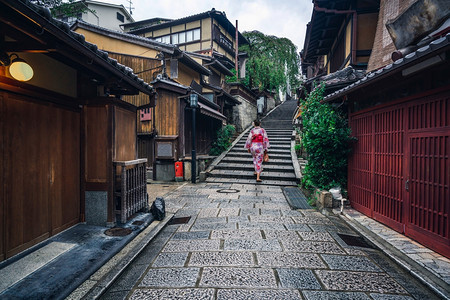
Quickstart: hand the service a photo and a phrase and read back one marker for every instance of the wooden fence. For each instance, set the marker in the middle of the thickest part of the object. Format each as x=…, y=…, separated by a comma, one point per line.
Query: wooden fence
x=130, y=187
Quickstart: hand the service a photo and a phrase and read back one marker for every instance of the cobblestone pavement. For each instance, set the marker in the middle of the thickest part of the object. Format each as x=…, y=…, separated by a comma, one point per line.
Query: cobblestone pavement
x=244, y=242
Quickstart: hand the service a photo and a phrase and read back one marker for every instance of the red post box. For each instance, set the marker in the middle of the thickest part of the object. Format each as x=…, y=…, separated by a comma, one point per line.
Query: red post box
x=179, y=170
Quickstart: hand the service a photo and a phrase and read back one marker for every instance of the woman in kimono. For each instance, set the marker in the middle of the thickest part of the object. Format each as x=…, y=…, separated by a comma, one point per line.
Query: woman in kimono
x=257, y=144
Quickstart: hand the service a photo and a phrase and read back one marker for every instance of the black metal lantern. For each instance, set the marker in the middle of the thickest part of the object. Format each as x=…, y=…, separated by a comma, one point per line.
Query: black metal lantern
x=194, y=104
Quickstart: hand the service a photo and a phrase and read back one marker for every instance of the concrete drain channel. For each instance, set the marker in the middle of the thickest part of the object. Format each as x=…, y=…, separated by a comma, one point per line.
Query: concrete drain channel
x=228, y=191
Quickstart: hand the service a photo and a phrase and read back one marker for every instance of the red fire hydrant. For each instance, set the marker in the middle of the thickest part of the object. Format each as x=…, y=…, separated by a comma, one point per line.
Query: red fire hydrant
x=178, y=171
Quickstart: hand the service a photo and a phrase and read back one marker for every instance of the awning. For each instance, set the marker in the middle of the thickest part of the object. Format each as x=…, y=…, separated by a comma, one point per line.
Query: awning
x=207, y=111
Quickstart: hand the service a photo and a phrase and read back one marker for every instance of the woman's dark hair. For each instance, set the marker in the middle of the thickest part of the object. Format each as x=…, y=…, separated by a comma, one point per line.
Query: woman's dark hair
x=257, y=122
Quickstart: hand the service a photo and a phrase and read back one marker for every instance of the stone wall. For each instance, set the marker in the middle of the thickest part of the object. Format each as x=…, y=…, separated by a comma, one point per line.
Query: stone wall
x=383, y=45
x=243, y=114
x=270, y=103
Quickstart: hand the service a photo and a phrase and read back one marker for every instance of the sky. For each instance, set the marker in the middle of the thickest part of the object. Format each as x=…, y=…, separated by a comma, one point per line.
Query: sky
x=282, y=18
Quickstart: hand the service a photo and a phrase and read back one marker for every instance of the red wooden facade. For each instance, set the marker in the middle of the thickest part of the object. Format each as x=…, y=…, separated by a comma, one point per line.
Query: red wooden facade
x=399, y=172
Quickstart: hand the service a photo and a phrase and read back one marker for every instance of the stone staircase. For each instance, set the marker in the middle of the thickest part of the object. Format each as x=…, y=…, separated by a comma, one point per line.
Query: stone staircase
x=237, y=165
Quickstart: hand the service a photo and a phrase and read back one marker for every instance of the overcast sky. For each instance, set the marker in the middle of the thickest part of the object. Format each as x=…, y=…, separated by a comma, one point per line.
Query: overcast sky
x=282, y=18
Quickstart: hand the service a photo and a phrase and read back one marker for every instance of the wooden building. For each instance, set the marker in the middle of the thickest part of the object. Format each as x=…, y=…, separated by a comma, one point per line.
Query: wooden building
x=174, y=74
x=399, y=170
x=60, y=132
x=214, y=86
x=339, y=37
x=209, y=33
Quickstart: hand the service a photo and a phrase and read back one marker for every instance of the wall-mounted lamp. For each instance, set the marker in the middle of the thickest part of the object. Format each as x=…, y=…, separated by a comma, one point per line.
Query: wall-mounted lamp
x=18, y=67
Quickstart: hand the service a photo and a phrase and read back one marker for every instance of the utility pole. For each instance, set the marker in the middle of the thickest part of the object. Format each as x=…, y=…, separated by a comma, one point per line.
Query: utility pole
x=130, y=7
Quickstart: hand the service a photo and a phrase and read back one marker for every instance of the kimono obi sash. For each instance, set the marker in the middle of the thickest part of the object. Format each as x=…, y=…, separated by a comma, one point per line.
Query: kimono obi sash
x=258, y=138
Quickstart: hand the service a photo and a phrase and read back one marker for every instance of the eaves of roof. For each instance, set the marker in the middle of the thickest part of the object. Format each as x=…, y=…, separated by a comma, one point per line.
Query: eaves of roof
x=145, y=42
x=61, y=32
x=143, y=22
x=170, y=85
x=132, y=38
x=414, y=58
x=190, y=62
x=213, y=62
x=221, y=93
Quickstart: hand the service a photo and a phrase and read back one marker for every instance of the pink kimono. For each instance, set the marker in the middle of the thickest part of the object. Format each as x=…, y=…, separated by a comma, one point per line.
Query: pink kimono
x=257, y=142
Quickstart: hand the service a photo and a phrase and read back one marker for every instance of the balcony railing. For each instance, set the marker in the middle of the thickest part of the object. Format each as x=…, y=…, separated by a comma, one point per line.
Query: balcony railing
x=130, y=187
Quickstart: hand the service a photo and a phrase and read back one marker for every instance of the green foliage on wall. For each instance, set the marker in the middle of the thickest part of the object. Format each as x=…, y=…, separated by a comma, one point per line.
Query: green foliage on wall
x=223, y=141
x=326, y=138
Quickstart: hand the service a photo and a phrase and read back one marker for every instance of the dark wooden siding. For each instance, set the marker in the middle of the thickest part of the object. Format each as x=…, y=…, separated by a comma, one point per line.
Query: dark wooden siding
x=145, y=68
x=125, y=135
x=399, y=172
x=97, y=143
x=166, y=113
x=40, y=171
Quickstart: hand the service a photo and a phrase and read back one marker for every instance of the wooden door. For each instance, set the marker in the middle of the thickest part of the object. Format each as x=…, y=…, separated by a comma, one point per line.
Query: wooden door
x=40, y=174
x=428, y=172
x=360, y=164
x=399, y=171
x=388, y=156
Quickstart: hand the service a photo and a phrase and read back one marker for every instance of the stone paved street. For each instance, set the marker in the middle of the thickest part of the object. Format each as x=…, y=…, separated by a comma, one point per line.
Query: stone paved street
x=251, y=245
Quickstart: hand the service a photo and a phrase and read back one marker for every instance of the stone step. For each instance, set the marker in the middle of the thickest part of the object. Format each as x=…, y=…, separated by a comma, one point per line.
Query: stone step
x=276, y=145
x=272, y=160
x=252, y=181
x=272, y=141
x=271, y=150
x=248, y=155
x=250, y=167
x=266, y=174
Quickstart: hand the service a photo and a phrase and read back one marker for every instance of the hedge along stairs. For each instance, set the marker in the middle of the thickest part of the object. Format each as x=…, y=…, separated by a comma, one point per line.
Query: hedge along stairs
x=237, y=165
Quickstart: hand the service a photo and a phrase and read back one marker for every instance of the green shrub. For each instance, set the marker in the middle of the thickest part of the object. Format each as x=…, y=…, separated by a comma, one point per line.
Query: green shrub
x=326, y=138
x=223, y=141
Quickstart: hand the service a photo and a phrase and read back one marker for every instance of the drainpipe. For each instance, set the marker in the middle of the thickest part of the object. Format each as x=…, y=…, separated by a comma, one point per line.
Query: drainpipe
x=354, y=24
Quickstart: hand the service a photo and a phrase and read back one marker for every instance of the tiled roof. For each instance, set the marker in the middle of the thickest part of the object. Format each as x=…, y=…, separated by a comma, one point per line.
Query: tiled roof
x=101, y=57
x=398, y=65
x=146, y=42
x=168, y=48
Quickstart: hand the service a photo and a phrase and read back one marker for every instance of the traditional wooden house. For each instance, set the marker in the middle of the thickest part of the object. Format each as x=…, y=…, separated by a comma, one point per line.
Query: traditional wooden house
x=338, y=43
x=62, y=131
x=214, y=87
x=399, y=171
x=209, y=33
x=174, y=75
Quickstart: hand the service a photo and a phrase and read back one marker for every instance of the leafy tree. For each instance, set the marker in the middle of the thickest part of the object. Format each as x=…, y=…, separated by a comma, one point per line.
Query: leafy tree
x=69, y=8
x=326, y=138
x=273, y=62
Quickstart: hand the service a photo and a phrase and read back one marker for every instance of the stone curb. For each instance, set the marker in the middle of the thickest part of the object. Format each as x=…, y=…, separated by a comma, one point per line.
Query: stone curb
x=103, y=278
x=437, y=285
